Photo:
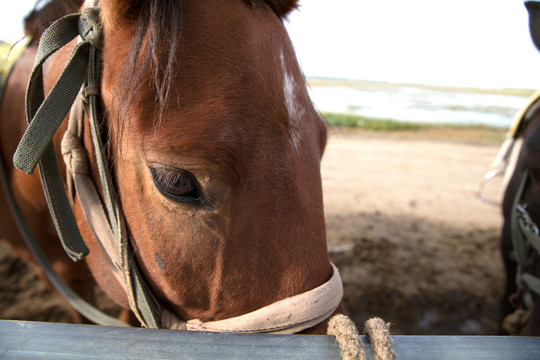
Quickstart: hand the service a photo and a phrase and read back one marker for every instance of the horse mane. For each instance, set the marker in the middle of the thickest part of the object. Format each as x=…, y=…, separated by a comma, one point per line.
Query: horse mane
x=156, y=29
x=45, y=12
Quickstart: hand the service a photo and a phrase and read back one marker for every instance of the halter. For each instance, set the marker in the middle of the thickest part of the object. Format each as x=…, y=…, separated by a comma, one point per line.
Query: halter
x=525, y=240
x=78, y=85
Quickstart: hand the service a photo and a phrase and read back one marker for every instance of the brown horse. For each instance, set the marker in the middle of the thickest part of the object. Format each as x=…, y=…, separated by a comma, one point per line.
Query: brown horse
x=521, y=210
x=214, y=149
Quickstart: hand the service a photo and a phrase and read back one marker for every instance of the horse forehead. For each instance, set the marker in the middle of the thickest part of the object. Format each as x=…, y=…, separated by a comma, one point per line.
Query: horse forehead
x=250, y=82
x=235, y=86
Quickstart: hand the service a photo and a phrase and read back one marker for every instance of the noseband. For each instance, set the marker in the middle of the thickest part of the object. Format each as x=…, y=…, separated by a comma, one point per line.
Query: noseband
x=77, y=90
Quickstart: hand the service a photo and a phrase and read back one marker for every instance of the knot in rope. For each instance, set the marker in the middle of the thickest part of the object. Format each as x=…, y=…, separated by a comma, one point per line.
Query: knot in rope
x=89, y=26
x=74, y=154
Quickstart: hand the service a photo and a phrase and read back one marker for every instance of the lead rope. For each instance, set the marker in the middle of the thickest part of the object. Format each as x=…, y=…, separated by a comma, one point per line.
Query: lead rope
x=346, y=334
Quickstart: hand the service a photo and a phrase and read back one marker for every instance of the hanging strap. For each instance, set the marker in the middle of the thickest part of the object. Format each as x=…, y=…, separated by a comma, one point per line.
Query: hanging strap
x=45, y=116
x=36, y=147
x=83, y=307
x=79, y=304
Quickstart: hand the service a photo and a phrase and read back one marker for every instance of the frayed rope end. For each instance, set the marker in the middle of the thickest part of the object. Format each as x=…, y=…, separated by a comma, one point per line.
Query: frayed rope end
x=346, y=334
x=344, y=329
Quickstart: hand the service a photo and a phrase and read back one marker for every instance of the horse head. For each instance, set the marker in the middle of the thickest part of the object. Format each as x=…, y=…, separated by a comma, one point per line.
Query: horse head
x=215, y=149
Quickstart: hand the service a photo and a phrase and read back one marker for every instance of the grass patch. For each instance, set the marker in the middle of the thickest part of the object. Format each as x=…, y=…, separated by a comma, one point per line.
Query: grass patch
x=469, y=133
x=362, y=122
x=377, y=124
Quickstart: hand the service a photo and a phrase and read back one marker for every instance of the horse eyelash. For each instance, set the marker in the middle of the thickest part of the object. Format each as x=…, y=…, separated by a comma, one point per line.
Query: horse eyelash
x=166, y=176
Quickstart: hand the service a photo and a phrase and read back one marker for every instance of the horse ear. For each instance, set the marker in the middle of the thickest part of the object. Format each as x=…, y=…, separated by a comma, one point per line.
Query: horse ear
x=43, y=15
x=282, y=7
x=534, y=21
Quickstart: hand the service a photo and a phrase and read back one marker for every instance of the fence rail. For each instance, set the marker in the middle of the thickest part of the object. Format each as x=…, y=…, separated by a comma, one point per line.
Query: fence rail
x=37, y=340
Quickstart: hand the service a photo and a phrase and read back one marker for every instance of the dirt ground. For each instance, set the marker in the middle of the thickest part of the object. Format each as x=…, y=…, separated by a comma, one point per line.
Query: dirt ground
x=412, y=243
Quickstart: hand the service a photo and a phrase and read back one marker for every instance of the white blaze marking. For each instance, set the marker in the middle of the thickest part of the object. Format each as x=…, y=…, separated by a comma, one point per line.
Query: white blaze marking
x=295, y=110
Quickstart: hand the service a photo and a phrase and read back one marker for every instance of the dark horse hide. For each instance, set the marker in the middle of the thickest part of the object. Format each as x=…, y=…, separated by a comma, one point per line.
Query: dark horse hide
x=520, y=243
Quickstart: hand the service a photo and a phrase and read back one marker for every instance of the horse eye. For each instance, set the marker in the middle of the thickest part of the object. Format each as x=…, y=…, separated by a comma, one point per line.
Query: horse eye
x=177, y=185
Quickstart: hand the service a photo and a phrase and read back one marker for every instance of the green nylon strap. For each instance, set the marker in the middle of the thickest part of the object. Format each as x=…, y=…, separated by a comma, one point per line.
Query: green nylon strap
x=63, y=218
x=72, y=298
x=36, y=147
x=45, y=115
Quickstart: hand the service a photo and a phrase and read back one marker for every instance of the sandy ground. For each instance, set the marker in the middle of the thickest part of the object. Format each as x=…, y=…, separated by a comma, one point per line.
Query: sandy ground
x=413, y=244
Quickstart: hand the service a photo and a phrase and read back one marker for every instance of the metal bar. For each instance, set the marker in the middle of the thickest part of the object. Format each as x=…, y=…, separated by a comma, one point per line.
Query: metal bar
x=35, y=340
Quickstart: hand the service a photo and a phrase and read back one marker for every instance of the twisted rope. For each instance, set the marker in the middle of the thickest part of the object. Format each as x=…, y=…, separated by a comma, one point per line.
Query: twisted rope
x=346, y=334
x=343, y=328
x=378, y=333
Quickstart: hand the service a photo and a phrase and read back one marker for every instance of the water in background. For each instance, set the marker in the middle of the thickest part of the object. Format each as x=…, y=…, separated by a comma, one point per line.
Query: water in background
x=418, y=103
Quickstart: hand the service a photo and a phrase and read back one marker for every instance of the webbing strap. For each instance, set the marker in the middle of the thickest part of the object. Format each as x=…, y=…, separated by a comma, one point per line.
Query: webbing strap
x=45, y=115
x=36, y=147
x=84, y=308
x=79, y=304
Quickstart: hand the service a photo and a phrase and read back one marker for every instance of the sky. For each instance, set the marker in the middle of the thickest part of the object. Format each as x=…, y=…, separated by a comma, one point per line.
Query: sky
x=479, y=43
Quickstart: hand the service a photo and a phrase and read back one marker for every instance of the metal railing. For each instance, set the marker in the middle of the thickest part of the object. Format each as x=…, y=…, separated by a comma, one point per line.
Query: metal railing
x=38, y=340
